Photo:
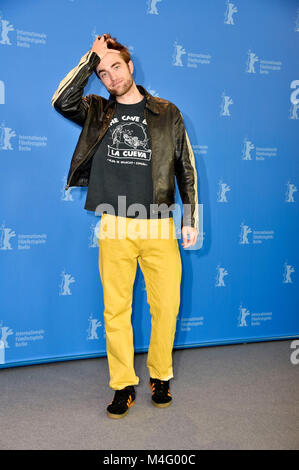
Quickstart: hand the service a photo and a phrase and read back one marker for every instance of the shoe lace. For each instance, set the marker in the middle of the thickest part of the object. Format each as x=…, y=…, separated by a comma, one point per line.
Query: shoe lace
x=121, y=396
x=160, y=387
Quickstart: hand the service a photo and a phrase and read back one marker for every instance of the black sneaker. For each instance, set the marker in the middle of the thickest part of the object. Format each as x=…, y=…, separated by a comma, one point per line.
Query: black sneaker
x=122, y=401
x=161, y=396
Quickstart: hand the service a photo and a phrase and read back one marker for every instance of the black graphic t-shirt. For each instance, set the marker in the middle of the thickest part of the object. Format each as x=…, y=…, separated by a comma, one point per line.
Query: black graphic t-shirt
x=121, y=165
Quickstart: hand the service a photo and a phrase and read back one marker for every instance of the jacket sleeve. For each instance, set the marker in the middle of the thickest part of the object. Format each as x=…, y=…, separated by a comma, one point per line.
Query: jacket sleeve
x=68, y=99
x=186, y=173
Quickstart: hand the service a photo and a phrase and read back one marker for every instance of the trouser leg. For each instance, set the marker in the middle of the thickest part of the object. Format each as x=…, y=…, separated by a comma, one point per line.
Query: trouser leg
x=117, y=266
x=160, y=262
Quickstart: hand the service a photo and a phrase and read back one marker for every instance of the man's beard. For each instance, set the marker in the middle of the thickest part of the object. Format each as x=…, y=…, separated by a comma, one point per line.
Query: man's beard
x=123, y=89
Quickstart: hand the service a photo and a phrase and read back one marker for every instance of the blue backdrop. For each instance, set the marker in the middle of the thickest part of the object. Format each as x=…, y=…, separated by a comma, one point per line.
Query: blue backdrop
x=232, y=69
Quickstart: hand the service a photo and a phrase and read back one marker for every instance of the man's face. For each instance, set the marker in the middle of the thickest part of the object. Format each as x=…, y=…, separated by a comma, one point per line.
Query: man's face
x=115, y=74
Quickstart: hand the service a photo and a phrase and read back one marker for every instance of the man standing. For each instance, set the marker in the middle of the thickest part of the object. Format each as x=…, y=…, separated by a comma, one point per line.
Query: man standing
x=131, y=148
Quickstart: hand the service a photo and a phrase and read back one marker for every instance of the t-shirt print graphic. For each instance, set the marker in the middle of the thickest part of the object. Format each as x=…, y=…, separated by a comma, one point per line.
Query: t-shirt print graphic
x=130, y=144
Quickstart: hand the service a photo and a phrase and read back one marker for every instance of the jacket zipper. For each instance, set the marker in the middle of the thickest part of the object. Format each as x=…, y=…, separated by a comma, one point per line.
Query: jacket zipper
x=86, y=158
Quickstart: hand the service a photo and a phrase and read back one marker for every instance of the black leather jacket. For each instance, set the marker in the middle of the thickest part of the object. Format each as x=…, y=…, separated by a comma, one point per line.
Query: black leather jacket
x=172, y=154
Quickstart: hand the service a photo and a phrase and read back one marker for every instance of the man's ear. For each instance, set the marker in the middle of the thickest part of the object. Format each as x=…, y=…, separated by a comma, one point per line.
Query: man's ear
x=131, y=66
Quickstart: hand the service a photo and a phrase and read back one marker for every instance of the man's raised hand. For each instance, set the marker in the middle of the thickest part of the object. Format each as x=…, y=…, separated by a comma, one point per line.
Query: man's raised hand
x=100, y=45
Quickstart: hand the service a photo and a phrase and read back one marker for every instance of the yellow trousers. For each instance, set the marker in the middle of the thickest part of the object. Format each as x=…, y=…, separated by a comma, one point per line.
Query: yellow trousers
x=153, y=243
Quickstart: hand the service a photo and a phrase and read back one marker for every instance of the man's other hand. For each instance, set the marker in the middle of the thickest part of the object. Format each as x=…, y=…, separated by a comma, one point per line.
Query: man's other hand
x=193, y=234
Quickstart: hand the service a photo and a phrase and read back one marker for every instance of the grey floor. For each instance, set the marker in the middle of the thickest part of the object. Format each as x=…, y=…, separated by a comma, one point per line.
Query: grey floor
x=225, y=397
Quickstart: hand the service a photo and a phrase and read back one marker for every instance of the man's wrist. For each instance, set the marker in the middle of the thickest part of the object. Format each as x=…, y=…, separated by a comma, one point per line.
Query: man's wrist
x=94, y=58
x=92, y=50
